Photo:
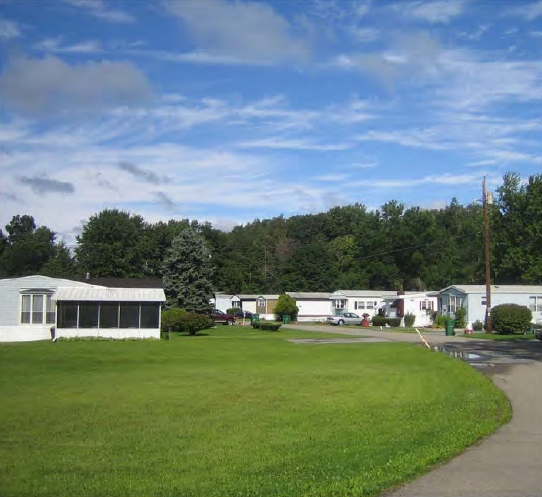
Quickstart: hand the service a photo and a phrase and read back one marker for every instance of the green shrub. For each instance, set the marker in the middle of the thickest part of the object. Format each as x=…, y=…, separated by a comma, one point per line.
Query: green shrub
x=410, y=319
x=508, y=319
x=440, y=321
x=270, y=326
x=461, y=318
x=180, y=321
x=286, y=305
x=379, y=321
x=171, y=318
x=478, y=325
x=382, y=321
x=191, y=323
x=232, y=310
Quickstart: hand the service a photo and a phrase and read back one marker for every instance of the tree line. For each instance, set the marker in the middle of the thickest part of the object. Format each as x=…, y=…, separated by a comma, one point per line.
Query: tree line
x=393, y=247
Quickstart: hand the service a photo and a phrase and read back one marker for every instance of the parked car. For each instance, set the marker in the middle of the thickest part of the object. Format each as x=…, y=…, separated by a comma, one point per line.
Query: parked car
x=345, y=318
x=538, y=333
x=240, y=314
x=219, y=316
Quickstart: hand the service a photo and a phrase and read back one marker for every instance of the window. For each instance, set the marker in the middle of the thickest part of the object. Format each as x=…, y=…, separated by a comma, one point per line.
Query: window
x=37, y=308
x=26, y=309
x=371, y=305
x=535, y=303
x=129, y=315
x=260, y=302
x=359, y=305
x=484, y=300
x=67, y=314
x=109, y=315
x=50, y=313
x=150, y=315
x=455, y=303
x=236, y=304
x=340, y=304
x=427, y=305
x=89, y=313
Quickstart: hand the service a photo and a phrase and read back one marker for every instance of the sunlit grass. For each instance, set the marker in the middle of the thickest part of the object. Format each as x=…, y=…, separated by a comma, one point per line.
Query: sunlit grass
x=239, y=412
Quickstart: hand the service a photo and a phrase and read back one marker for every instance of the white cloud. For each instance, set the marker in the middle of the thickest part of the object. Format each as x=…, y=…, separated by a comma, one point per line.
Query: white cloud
x=239, y=30
x=37, y=86
x=9, y=29
x=444, y=179
x=54, y=45
x=439, y=11
x=529, y=11
x=294, y=144
x=101, y=10
x=365, y=35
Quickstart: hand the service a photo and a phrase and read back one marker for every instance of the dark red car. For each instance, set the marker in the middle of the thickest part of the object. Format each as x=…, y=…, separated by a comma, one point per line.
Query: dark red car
x=219, y=316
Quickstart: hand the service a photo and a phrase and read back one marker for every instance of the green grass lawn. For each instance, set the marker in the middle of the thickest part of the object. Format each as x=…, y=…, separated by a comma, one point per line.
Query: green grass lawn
x=491, y=336
x=239, y=412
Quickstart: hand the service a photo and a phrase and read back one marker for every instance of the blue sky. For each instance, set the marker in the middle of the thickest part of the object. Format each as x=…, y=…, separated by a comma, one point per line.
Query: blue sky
x=227, y=111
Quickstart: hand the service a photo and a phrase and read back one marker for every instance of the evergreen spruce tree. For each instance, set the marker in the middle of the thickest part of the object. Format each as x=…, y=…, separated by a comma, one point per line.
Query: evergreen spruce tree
x=188, y=272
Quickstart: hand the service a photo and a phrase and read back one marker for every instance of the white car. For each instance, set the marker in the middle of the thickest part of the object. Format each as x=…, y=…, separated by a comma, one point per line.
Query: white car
x=345, y=318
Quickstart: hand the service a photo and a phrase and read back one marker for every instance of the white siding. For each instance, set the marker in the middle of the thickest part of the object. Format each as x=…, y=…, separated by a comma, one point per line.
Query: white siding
x=117, y=333
x=10, y=294
x=476, y=311
x=313, y=310
x=249, y=305
x=12, y=331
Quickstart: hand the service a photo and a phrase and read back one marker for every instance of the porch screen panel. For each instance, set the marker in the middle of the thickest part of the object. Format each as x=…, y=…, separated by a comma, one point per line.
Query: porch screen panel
x=129, y=315
x=50, y=310
x=26, y=306
x=109, y=315
x=37, y=309
x=150, y=315
x=67, y=314
x=88, y=314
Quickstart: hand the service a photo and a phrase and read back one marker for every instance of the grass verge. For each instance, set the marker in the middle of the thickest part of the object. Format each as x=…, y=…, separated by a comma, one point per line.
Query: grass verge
x=239, y=412
x=491, y=336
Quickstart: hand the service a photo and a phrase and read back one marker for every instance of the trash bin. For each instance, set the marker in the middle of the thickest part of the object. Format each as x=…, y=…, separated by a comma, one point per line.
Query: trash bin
x=450, y=327
x=286, y=318
x=255, y=318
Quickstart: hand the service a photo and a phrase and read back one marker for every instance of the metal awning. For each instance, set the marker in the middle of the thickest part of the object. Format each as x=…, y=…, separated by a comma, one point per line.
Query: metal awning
x=102, y=294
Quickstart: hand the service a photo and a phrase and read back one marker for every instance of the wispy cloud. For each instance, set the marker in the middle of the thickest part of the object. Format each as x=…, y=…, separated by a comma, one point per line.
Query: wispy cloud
x=54, y=45
x=143, y=174
x=444, y=179
x=44, y=185
x=529, y=11
x=294, y=144
x=438, y=11
x=101, y=10
x=9, y=29
x=165, y=200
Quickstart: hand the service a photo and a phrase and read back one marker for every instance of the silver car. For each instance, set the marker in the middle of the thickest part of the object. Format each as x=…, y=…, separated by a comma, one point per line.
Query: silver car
x=346, y=318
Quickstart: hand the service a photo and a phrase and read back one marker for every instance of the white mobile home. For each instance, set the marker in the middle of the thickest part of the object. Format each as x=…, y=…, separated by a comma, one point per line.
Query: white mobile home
x=225, y=301
x=31, y=305
x=313, y=306
x=359, y=301
x=473, y=298
x=420, y=304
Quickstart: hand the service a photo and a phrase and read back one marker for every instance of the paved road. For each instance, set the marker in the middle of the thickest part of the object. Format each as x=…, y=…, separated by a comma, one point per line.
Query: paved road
x=507, y=463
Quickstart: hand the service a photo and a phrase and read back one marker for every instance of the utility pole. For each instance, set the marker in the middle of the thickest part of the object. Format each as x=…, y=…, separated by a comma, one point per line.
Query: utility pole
x=488, y=261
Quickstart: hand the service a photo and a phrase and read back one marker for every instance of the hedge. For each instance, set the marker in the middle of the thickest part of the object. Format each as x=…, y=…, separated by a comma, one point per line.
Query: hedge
x=382, y=321
x=266, y=326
